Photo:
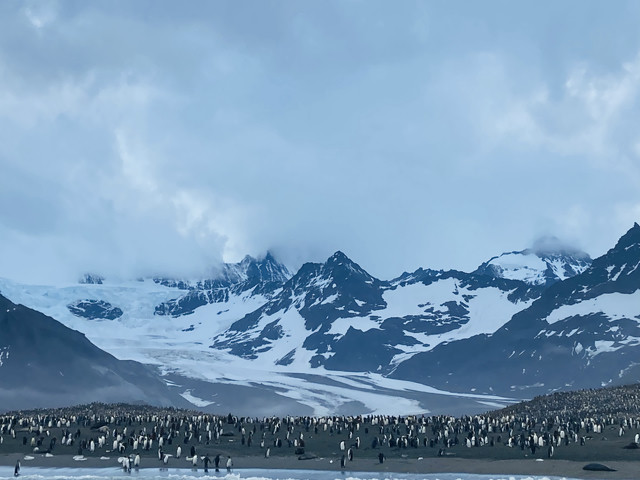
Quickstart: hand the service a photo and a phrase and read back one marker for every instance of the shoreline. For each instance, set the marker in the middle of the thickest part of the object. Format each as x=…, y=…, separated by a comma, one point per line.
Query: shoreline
x=626, y=470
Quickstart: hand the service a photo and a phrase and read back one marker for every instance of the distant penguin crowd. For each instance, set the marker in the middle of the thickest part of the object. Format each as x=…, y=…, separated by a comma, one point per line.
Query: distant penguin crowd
x=136, y=434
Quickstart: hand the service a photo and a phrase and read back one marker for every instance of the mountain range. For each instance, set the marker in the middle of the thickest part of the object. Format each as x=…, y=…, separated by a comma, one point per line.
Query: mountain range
x=581, y=332
x=333, y=338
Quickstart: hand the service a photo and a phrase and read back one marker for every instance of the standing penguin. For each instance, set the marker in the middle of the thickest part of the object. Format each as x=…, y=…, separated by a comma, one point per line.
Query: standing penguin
x=16, y=471
x=206, y=463
x=229, y=464
x=178, y=452
x=216, y=462
x=343, y=461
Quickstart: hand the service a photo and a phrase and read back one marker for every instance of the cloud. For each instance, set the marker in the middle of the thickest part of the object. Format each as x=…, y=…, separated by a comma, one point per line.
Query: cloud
x=39, y=14
x=591, y=117
x=139, y=140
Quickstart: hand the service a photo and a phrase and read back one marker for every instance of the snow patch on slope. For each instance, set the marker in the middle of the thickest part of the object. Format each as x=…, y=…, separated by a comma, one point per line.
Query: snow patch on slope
x=198, y=402
x=614, y=305
x=528, y=268
x=4, y=355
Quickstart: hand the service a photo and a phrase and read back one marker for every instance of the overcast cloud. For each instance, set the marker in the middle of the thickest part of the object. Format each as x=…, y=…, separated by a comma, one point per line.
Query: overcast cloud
x=140, y=138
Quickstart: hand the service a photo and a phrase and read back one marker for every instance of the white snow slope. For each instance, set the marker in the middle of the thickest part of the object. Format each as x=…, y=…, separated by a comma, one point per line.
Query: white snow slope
x=181, y=345
x=532, y=268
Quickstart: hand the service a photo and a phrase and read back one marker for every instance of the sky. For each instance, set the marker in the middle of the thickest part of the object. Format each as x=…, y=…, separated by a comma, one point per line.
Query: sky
x=155, y=137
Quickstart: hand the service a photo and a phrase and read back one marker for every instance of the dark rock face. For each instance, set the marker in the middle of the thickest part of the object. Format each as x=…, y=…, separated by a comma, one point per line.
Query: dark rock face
x=91, y=279
x=257, y=276
x=598, y=467
x=44, y=363
x=92, y=309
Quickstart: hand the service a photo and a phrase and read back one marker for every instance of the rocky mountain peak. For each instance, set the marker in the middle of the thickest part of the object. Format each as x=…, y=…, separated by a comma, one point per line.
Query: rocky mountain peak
x=619, y=268
x=266, y=270
x=629, y=240
x=342, y=267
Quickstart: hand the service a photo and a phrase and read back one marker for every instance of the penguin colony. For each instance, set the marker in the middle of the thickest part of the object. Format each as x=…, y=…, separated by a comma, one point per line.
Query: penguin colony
x=149, y=436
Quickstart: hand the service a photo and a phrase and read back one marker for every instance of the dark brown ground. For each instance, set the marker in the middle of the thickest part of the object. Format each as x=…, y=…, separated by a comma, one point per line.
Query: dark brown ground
x=568, y=460
x=626, y=470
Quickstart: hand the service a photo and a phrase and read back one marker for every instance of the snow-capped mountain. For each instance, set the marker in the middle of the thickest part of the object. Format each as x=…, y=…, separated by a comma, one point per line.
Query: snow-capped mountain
x=334, y=339
x=261, y=277
x=582, y=332
x=335, y=300
x=337, y=316
x=304, y=310
x=544, y=264
x=44, y=363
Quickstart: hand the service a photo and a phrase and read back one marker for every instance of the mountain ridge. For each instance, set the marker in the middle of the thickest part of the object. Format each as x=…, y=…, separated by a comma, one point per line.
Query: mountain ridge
x=452, y=330
x=565, y=339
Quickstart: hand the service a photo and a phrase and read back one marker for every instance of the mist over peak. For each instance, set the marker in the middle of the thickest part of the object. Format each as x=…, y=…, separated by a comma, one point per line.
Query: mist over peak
x=550, y=245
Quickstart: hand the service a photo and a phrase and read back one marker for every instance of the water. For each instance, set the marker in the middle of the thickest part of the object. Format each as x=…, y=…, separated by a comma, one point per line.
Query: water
x=37, y=473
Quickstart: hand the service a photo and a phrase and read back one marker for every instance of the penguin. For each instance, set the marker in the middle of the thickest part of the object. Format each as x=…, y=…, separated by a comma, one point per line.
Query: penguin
x=178, y=452
x=16, y=470
x=136, y=461
x=194, y=461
